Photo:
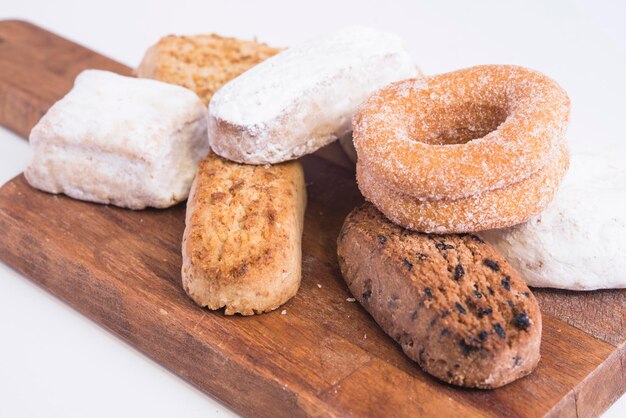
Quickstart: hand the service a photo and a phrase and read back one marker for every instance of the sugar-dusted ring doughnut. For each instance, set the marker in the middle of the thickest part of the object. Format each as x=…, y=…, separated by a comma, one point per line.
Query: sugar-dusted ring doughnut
x=497, y=208
x=462, y=133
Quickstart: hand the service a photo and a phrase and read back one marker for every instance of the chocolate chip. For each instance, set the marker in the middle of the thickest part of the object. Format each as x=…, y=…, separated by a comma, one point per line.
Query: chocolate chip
x=367, y=294
x=521, y=321
x=477, y=239
x=491, y=264
x=478, y=294
x=428, y=292
x=382, y=239
x=506, y=283
x=500, y=331
x=485, y=312
x=413, y=315
x=510, y=303
x=441, y=245
x=408, y=264
x=459, y=272
x=518, y=361
x=444, y=255
x=460, y=308
x=467, y=348
x=445, y=313
x=482, y=335
x=445, y=332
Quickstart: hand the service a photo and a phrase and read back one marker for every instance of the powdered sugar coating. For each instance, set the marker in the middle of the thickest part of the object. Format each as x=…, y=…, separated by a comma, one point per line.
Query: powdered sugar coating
x=578, y=241
x=112, y=111
x=120, y=140
x=303, y=98
x=455, y=135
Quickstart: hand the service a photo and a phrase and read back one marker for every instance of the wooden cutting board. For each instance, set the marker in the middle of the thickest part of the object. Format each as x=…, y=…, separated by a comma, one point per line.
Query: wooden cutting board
x=325, y=356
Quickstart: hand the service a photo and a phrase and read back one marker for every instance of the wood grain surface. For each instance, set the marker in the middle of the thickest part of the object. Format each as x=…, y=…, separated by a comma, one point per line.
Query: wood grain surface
x=325, y=356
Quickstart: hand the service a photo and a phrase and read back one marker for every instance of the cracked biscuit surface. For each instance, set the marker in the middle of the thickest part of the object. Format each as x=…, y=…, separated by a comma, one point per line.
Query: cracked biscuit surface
x=242, y=241
x=202, y=63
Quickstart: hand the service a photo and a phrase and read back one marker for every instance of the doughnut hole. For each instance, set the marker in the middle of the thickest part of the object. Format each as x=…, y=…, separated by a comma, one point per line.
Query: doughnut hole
x=455, y=124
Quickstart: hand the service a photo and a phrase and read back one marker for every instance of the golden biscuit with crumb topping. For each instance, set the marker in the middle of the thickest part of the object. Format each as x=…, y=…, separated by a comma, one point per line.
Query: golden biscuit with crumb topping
x=243, y=233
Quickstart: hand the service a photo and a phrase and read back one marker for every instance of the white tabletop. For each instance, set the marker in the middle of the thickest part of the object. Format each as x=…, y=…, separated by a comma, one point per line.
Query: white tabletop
x=55, y=362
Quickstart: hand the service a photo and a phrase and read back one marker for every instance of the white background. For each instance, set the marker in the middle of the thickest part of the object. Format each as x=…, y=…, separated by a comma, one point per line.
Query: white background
x=56, y=363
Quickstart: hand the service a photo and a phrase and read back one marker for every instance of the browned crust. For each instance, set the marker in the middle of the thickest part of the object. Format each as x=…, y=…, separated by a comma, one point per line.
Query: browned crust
x=430, y=139
x=202, y=63
x=499, y=208
x=242, y=240
x=476, y=325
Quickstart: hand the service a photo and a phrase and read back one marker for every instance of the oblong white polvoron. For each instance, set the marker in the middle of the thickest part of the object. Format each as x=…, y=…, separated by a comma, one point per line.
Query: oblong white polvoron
x=303, y=98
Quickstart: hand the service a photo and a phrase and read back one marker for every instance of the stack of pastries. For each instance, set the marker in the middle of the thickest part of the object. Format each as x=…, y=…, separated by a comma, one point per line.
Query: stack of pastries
x=438, y=158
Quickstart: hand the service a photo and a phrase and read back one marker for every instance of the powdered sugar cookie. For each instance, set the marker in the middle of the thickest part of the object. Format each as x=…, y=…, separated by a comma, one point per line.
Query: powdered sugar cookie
x=578, y=241
x=303, y=98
